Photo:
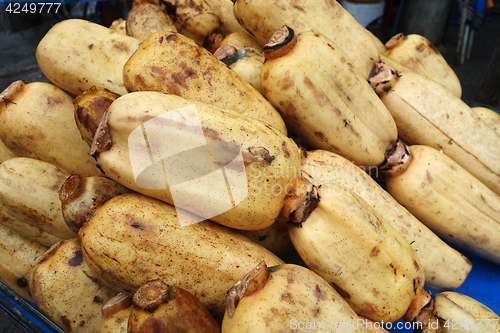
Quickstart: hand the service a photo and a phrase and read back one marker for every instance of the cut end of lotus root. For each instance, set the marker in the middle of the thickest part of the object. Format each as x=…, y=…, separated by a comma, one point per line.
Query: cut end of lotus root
x=281, y=42
x=151, y=295
x=102, y=139
x=383, y=78
x=395, y=41
x=301, y=202
x=250, y=283
x=397, y=159
x=228, y=54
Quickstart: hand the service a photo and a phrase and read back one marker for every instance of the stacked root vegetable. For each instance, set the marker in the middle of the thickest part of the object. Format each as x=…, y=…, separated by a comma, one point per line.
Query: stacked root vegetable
x=89, y=228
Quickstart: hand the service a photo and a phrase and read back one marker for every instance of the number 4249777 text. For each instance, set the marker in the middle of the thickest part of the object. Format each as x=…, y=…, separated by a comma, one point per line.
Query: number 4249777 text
x=38, y=7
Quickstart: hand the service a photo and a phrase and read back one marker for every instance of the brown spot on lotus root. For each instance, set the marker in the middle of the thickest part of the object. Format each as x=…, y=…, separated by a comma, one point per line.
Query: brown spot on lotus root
x=321, y=136
x=287, y=107
x=212, y=134
x=375, y=251
x=392, y=266
x=420, y=47
x=137, y=226
x=320, y=295
x=287, y=297
x=266, y=74
x=309, y=83
x=332, y=3
x=296, y=6
x=53, y=101
x=157, y=70
x=181, y=77
x=286, y=83
x=91, y=278
x=479, y=239
x=207, y=76
x=121, y=47
x=139, y=80
x=153, y=325
x=432, y=48
x=284, y=147
x=367, y=309
x=261, y=154
x=67, y=323
x=429, y=177
x=172, y=38
x=341, y=291
x=321, y=98
x=142, y=119
x=76, y=260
